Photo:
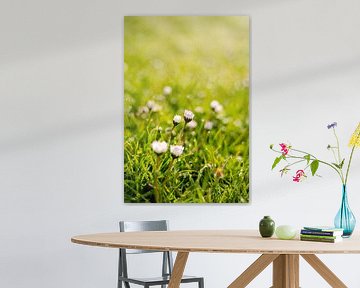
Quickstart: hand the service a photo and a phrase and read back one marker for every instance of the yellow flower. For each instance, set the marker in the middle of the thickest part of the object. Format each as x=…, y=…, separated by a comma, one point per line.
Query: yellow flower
x=355, y=137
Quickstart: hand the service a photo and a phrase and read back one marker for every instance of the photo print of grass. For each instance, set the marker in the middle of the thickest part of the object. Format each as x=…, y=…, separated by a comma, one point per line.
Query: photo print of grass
x=186, y=109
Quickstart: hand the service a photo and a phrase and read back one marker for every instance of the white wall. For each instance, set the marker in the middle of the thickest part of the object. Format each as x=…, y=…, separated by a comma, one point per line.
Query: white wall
x=61, y=133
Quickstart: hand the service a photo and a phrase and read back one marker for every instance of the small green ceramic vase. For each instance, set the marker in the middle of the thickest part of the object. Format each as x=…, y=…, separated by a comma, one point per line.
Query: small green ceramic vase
x=266, y=227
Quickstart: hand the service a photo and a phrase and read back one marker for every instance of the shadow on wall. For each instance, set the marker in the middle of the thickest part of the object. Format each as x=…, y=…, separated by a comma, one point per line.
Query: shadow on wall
x=54, y=134
x=309, y=75
x=80, y=22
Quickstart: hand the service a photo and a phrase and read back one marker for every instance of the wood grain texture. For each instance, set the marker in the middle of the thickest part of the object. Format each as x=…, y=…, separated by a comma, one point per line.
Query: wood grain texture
x=279, y=271
x=286, y=271
x=292, y=271
x=253, y=270
x=178, y=269
x=324, y=271
x=221, y=241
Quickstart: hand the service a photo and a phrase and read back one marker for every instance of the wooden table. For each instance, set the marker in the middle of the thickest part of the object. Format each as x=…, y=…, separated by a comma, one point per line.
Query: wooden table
x=284, y=254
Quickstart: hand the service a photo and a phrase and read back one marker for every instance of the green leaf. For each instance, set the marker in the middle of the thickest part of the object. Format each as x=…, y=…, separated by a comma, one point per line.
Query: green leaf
x=271, y=146
x=276, y=161
x=336, y=165
x=307, y=157
x=342, y=163
x=314, y=167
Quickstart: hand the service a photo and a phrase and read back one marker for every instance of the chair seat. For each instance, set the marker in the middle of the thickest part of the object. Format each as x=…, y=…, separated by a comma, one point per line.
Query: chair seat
x=158, y=280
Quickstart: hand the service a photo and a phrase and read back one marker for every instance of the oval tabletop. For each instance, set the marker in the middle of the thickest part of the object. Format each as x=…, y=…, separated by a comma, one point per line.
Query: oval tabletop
x=221, y=241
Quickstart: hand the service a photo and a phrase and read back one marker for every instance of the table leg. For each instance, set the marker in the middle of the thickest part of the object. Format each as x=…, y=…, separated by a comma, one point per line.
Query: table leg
x=286, y=271
x=253, y=270
x=178, y=270
x=324, y=271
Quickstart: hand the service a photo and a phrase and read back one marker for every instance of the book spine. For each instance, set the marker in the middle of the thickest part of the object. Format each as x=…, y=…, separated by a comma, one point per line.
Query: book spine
x=319, y=236
x=318, y=239
x=320, y=233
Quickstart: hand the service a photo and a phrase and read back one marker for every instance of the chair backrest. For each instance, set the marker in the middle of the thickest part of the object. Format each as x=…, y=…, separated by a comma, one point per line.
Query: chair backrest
x=134, y=226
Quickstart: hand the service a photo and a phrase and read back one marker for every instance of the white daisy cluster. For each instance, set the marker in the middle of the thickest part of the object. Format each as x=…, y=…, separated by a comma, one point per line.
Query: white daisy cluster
x=160, y=147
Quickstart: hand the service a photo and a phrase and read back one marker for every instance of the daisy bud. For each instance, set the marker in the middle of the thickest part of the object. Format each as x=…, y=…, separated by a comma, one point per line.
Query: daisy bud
x=188, y=116
x=167, y=90
x=142, y=110
x=150, y=104
x=192, y=124
x=176, y=120
x=153, y=106
x=176, y=150
x=159, y=147
x=216, y=106
x=214, y=103
x=208, y=125
x=218, y=109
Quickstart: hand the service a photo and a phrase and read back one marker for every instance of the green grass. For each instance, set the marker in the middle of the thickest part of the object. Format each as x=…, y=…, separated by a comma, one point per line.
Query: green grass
x=202, y=59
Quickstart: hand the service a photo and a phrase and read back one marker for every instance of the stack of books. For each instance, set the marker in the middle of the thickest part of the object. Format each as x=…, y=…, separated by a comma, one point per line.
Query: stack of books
x=321, y=234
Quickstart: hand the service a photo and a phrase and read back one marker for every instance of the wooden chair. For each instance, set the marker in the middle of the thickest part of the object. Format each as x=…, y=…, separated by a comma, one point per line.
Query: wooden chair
x=167, y=262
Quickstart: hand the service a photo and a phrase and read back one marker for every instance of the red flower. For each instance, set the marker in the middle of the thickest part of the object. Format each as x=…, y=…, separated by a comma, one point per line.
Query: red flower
x=299, y=175
x=284, y=148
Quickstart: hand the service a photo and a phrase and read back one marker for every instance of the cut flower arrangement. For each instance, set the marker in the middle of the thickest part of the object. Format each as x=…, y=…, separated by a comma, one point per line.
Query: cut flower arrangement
x=309, y=165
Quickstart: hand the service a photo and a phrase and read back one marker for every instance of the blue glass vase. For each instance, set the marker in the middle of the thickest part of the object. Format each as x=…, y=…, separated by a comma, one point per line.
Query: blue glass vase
x=345, y=219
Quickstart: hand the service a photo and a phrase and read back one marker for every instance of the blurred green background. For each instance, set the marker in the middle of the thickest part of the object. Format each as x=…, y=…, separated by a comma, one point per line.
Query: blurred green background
x=202, y=59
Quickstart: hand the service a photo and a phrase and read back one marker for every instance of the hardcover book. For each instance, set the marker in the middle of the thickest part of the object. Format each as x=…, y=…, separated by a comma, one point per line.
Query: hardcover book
x=323, y=228
x=325, y=240
x=321, y=233
x=320, y=237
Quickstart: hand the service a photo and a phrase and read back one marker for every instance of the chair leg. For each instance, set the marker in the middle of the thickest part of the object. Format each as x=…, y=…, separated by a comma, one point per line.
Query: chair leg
x=201, y=283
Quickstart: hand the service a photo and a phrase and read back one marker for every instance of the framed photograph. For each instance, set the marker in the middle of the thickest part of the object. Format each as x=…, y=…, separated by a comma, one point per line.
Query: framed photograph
x=186, y=93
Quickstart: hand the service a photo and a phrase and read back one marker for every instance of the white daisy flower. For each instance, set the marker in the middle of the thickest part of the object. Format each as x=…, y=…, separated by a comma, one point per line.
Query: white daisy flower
x=214, y=103
x=176, y=120
x=188, y=116
x=153, y=106
x=208, y=125
x=192, y=124
x=159, y=147
x=176, y=150
x=143, y=110
x=216, y=106
x=150, y=104
x=219, y=108
x=167, y=90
